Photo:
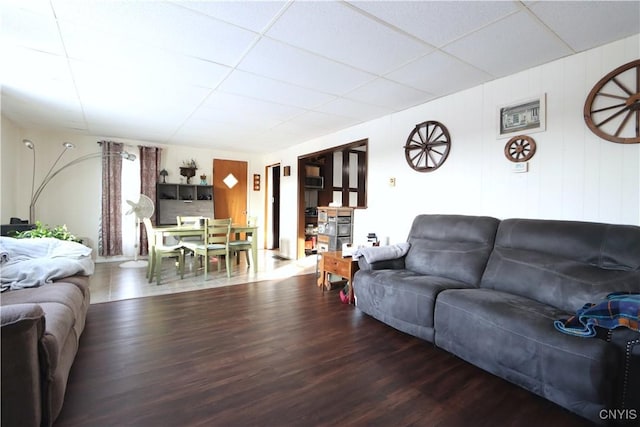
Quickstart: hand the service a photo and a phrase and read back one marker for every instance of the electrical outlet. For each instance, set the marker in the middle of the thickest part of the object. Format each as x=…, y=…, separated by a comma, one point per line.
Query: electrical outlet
x=392, y=182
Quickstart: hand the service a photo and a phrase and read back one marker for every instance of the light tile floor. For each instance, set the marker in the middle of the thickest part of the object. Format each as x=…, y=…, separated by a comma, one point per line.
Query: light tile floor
x=111, y=282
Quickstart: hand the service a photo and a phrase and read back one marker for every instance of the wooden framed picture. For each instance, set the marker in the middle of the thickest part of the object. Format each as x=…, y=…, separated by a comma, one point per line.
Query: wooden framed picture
x=526, y=116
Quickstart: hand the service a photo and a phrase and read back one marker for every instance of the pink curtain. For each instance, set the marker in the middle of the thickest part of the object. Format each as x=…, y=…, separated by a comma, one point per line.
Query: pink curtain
x=149, y=171
x=110, y=235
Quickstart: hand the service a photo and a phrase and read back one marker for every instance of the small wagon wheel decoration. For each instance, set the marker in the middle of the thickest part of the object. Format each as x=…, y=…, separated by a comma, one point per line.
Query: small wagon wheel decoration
x=612, y=109
x=520, y=148
x=427, y=146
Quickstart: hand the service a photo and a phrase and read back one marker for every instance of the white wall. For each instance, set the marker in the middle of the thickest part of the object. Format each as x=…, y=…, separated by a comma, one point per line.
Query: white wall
x=9, y=167
x=574, y=175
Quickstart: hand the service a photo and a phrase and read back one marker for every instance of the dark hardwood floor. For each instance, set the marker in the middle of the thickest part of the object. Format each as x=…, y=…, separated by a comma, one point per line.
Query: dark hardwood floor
x=277, y=353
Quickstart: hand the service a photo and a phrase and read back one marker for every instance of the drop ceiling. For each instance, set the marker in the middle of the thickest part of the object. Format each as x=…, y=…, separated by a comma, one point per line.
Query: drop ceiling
x=262, y=76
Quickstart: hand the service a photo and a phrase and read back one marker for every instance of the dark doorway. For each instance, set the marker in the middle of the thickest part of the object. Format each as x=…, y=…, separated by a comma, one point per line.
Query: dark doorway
x=275, y=206
x=335, y=174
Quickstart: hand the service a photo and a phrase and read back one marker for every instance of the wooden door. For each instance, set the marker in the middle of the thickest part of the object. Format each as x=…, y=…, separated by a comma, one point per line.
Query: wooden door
x=230, y=201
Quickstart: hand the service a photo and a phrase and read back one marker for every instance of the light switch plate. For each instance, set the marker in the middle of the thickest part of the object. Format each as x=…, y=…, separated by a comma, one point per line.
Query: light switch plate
x=520, y=167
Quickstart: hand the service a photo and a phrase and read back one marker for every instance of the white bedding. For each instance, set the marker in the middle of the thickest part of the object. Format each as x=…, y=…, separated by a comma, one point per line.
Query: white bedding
x=26, y=263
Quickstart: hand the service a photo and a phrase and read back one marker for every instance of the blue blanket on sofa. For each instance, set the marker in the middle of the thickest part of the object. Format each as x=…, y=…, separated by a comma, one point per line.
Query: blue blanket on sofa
x=618, y=309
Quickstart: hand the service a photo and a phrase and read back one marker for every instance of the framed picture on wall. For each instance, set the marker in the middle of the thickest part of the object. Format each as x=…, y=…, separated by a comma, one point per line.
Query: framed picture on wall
x=526, y=116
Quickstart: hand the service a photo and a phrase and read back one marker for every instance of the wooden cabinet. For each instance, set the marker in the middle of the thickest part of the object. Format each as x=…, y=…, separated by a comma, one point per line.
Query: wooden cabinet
x=335, y=263
x=335, y=227
x=182, y=199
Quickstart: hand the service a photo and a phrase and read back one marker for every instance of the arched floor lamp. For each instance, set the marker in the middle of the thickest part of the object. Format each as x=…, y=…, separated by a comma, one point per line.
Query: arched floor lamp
x=35, y=192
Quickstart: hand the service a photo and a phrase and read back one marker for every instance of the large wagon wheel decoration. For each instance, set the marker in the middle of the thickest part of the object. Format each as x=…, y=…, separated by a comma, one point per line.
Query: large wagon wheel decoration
x=427, y=146
x=520, y=148
x=612, y=109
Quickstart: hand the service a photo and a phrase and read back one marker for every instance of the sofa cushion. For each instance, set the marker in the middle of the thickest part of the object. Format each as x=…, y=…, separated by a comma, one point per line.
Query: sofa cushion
x=73, y=292
x=452, y=246
x=401, y=298
x=564, y=263
x=61, y=292
x=514, y=338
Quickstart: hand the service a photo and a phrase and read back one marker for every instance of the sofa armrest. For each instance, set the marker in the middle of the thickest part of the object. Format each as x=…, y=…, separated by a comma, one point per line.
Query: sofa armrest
x=22, y=329
x=389, y=264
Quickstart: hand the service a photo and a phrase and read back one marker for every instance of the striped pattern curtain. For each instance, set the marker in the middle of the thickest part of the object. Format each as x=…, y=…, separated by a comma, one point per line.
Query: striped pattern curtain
x=149, y=172
x=110, y=235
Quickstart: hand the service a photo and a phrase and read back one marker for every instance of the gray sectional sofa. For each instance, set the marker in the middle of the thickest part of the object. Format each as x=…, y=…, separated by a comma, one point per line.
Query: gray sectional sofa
x=43, y=309
x=489, y=291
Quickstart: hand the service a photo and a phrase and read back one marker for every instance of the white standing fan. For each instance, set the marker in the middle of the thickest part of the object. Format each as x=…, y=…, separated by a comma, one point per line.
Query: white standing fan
x=143, y=209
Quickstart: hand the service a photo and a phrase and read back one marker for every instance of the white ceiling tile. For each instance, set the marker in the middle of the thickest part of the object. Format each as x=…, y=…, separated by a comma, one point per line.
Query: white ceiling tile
x=38, y=6
x=103, y=85
x=41, y=76
x=150, y=105
x=438, y=22
x=285, y=63
x=162, y=25
x=305, y=127
x=47, y=112
x=222, y=136
x=323, y=121
x=515, y=43
x=357, y=110
x=581, y=24
x=236, y=108
x=33, y=29
x=147, y=63
x=439, y=74
x=253, y=15
x=252, y=86
x=339, y=32
x=385, y=93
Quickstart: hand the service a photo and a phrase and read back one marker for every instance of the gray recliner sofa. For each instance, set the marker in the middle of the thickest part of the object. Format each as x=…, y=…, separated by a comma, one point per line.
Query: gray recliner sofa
x=489, y=292
x=43, y=311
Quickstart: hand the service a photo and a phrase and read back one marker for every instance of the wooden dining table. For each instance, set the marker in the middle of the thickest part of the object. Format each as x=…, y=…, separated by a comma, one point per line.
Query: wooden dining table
x=189, y=230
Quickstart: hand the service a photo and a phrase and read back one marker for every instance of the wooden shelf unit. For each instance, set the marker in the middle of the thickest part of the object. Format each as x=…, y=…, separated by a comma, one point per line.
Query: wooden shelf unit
x=182, y=199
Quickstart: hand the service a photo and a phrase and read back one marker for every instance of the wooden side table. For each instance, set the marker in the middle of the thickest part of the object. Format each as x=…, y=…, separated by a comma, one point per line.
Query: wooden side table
x=335, y=263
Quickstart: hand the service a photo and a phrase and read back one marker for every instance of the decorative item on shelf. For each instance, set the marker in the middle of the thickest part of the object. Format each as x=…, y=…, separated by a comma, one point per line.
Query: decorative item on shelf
x=163, y=174
x=256, y=182
x=188, y=169
x=427, y=146
x=203, y=179
x=612, y=108
x=520, y=148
